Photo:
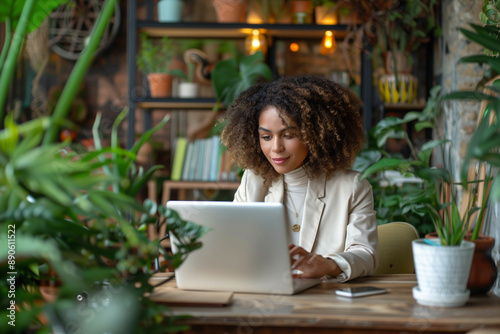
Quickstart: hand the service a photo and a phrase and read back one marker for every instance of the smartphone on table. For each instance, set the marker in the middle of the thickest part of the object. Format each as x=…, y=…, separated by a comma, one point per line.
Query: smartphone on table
x=359, y=291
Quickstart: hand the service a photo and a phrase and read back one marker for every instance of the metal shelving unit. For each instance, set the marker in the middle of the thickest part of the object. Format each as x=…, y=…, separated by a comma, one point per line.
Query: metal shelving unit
x=218, y=31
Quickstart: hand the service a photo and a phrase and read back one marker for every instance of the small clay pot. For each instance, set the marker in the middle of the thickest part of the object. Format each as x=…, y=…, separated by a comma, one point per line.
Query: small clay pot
x=483, y=272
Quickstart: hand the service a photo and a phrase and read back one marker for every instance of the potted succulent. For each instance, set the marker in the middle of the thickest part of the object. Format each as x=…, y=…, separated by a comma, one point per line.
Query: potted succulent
x=154, y=59
x=187, y=88
x=69, y=213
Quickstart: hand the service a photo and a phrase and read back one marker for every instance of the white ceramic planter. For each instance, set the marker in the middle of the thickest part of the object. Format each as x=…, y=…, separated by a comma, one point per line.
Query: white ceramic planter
x=188, y=89
x=169, y=10
x=442, y=273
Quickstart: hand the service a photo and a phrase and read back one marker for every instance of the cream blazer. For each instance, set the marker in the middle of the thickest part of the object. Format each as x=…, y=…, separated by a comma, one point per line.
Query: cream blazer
x=338, y=221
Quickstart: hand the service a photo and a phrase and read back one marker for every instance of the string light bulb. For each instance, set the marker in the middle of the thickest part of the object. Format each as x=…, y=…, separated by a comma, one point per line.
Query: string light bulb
x=328, y=44
x=255, y=42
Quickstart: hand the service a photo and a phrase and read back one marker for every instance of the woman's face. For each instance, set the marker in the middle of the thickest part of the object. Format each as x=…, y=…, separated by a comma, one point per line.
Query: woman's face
x=281, y=144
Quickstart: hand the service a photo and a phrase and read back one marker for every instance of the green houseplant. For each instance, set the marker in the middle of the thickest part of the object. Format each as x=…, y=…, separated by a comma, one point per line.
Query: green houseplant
x=232, y=76
x=484, y=146
x=432, y=198
x=77, y=254
x=459, y=225
x=153, y=59
x=394, y=30
x=408, y=197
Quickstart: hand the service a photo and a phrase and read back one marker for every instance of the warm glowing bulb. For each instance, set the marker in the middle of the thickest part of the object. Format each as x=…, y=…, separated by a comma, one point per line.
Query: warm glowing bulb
x=294, y=47
x=328, y=44
x=255, y=40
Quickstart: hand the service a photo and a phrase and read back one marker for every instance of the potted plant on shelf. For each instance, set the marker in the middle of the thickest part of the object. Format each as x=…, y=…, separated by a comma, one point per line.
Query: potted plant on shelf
x=230, y=11
x=169, y=10
x=325, y=11
x=68, y=214
x=188, y=87
x=394, y=31
x=154, y=59
x=268, y=11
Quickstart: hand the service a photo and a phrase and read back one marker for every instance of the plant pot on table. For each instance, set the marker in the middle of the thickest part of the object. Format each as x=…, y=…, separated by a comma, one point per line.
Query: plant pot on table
x=483, y=272
x=442, y=272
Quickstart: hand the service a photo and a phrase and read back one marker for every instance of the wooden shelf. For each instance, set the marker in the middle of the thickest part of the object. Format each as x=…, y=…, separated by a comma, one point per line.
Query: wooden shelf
x=177, y=103
x=416, y=106
x=237, y=30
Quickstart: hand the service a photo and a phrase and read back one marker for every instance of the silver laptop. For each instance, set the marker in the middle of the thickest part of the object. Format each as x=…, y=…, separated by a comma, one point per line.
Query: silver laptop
x=245, y=250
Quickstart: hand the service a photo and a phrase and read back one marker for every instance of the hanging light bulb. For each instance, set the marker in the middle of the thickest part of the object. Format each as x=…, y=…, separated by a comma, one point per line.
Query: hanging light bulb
x=255, y=42
x=328, y=44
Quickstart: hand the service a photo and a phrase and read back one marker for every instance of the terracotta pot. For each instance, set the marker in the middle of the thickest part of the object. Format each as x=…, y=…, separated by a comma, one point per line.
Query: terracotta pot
x=160, y=84
x=301, y=11
x=230, y=10
x=483, y=272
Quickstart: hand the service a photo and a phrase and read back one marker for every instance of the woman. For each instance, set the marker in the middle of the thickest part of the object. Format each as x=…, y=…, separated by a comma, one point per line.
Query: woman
x=296, y=138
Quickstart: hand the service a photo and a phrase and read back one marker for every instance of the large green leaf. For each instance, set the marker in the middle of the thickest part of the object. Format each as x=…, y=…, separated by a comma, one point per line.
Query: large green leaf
x=425, y=152
x=384, y=164
x=494, y=62
x=42, y=8
x=468, y=95
x=434, y=175
x=37, y=247
x=483, y=35
x=366, y=158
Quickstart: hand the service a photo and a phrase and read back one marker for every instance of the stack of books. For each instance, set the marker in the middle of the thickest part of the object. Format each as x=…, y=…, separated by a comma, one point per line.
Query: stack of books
x=202, y=160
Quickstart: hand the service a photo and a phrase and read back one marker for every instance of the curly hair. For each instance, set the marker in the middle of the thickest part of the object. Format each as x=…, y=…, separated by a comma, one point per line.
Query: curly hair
x=327, y=114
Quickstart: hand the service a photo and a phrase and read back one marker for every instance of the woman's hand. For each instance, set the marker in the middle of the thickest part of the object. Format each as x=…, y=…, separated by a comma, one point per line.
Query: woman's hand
x=311, y=265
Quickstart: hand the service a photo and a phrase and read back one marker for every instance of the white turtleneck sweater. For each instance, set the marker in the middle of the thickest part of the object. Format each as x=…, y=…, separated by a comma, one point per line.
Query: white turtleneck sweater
x=295, y=187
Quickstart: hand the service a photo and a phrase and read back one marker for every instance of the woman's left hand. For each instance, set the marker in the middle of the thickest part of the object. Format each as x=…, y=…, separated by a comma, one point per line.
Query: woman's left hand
x=311, y=265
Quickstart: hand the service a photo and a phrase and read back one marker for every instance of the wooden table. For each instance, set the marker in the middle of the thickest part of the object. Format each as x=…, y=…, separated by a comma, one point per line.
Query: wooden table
x=317, y=310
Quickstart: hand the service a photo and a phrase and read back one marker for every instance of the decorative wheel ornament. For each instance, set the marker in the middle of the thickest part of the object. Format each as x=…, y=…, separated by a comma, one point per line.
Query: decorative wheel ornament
x=72, y=24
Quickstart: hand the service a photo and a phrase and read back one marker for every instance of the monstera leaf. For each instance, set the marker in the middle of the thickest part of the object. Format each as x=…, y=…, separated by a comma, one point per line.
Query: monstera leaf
x=232, y=76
